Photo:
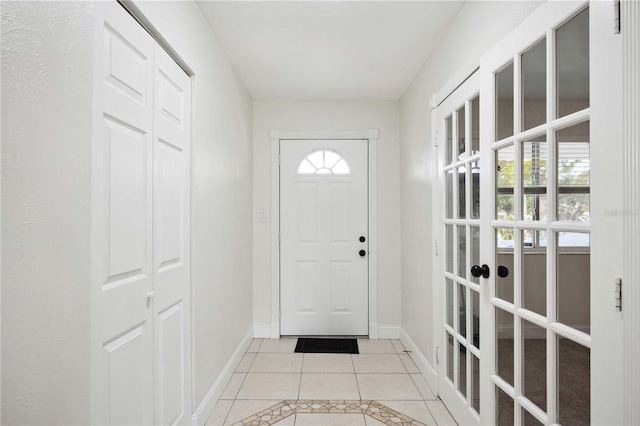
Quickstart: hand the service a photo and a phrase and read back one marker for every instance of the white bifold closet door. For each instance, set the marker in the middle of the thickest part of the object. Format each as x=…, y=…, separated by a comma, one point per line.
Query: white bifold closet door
x=141, y=300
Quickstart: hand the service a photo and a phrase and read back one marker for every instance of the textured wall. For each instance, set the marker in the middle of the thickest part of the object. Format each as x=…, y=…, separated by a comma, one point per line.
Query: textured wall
x=46, y=207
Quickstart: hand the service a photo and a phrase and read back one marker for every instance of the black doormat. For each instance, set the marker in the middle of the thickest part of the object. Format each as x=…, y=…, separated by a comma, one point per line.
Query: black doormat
x=327, y=346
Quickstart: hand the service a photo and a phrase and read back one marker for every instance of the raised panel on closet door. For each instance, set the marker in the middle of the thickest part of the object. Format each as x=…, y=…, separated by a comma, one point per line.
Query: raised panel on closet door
x=171, y=239
x=123, y=273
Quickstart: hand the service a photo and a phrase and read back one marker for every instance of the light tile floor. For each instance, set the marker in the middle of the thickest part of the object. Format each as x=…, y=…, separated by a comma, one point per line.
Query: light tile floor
x=382, y=381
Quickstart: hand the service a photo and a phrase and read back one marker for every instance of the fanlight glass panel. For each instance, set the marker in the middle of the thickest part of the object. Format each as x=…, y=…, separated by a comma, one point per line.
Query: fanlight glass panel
x=323, y=163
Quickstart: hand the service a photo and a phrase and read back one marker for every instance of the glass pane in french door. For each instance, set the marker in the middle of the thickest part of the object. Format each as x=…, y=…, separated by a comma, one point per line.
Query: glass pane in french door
x=460, y=230
x=540, y=276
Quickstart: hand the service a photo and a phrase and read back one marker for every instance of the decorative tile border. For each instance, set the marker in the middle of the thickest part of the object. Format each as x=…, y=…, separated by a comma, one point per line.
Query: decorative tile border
x=284, y=409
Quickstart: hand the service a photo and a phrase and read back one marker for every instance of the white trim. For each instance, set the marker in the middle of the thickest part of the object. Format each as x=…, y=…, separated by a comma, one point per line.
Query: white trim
x=373, y=234
x=630, y=27
x=374, y=331
x=472, y=64
x=428, y=372
x=203, y=412
x=262, y=331
x=389, y=331
x=322, y=134
x=438, y=242
x=275, y=235
x=371, y=135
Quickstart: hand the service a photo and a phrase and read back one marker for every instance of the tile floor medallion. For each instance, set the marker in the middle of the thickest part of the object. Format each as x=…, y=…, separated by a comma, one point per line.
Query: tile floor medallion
x=382, y=385
x=284, y=409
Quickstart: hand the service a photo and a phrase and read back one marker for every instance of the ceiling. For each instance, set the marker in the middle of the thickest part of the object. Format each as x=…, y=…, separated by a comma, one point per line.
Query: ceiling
x=328, y=50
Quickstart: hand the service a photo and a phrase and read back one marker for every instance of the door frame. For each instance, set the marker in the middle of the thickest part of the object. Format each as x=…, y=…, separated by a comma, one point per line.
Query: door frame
x=371, y=136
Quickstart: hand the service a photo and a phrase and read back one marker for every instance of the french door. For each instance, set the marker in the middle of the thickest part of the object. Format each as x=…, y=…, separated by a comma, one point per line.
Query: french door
x=531, y=333
x=459, y=165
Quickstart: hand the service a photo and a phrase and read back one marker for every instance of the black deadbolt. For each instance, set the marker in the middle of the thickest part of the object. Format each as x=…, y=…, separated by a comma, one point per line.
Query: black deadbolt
x=483, y=270
x=362, y=239
x=362, y=253
x=503, y=271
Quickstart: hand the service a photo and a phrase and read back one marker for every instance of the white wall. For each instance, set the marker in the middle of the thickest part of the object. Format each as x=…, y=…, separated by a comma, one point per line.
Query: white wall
x=46, y=211
x=290, y=115
x=467, y=36
x=221, y=189
x=47, y=66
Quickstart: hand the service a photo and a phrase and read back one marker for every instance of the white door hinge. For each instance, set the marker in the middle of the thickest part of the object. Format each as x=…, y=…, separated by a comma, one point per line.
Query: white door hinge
x=616, y=17
x=279, y=159
x=437, y=253
x=618, y=294
x=436, y=136
x=437, y=355
x=279, y=237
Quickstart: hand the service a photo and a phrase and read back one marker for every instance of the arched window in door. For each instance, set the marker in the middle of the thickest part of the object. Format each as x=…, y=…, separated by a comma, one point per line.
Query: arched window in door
x=323, y=162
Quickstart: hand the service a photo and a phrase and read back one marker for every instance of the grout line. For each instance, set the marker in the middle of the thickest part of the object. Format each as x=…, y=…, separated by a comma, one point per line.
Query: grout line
x=402, y=362
x=356, y=377
x=418, y=387
x=300, y=381
x=228, y=412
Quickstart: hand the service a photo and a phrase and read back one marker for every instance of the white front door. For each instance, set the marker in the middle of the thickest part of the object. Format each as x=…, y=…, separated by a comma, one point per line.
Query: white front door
x=141, y=283
x=324, y=237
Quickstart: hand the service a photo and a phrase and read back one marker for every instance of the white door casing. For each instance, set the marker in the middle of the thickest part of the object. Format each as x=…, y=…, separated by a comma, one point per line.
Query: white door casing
x=140, y=262
x=276, y=136
x=323, y=218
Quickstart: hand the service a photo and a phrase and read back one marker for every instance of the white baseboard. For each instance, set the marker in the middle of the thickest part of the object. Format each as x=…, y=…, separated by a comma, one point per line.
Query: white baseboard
x=205, y=409
x=373, y=331
x=388, y=332
x=430, y=375
x=262, y=331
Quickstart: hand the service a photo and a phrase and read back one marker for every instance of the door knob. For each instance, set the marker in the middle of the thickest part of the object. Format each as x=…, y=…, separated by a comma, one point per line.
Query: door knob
x=362, y=253
x=503, y=271
x=483, y=270
x=150, y=296
x=362, y=239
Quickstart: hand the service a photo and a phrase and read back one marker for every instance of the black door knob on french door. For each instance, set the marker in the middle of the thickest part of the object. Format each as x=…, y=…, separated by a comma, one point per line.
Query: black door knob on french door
x=362, y=239
x=503, y=271
x=362, y=253
x=477, y=271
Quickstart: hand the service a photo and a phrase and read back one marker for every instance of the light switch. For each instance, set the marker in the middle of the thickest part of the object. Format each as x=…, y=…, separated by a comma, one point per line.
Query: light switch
x=262, y=216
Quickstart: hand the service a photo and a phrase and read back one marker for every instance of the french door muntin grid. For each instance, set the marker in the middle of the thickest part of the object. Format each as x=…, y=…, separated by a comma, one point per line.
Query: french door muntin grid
x=459, y=278
x=554, y=329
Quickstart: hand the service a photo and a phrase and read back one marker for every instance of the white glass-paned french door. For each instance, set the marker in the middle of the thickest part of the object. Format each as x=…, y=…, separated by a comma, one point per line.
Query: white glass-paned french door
x=529, y=330
x=536, y=221
x=458, y=225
